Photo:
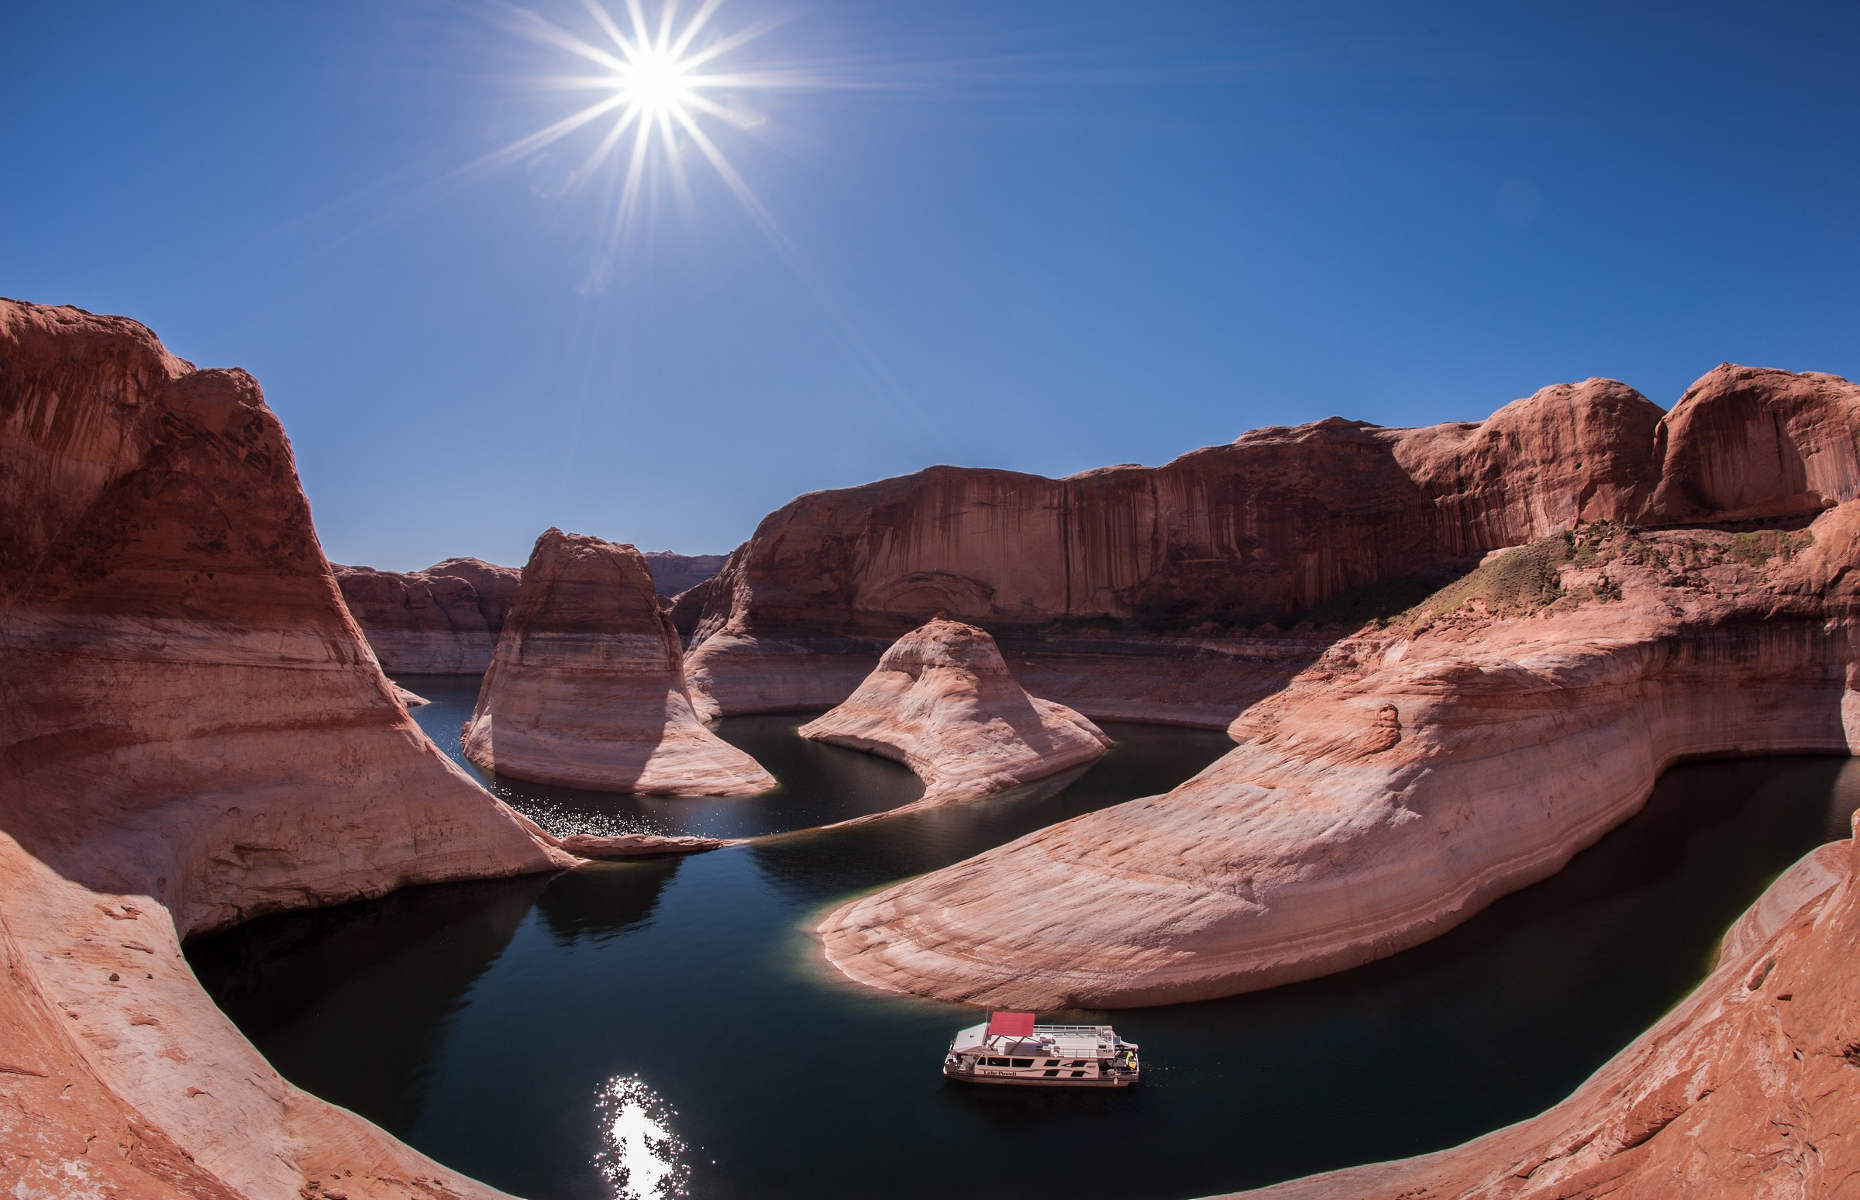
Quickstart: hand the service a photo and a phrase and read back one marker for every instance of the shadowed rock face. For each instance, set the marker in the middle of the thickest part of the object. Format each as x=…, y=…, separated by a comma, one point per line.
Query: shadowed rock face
x=440, y=621
x=587, y=685
x=1409, y=777
x=195, y=733
x=942, y=702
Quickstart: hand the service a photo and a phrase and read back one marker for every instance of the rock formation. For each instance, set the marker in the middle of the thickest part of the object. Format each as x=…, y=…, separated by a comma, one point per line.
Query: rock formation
x=942, y=702
x=195, y=733
x=1410, y=776
x=1156, y=573
x=440, y=621
x=675, y=573
x=1746, y=1089
x=587, y=686
x=1177, y=583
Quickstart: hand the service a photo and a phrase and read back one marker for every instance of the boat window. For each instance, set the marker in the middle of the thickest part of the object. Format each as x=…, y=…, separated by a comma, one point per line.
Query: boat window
x=1076, y=1074
x=997, y=1062
x=1049, y=1062
x=1050, y=1074
x=1075, y=1064
x=1023, y=1062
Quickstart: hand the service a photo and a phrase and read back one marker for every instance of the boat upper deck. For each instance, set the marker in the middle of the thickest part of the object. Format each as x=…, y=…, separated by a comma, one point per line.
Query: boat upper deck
x=1063, y=1041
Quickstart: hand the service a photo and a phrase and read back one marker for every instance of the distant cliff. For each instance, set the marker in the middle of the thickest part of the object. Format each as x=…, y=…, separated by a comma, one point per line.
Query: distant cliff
x=445, y=620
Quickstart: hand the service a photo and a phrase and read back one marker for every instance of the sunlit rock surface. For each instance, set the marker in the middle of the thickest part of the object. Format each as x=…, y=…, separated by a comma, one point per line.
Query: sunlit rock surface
x=195, y=733
x=942, y=702
x=1227, y=546
x=1407, y=778
x=587, y=686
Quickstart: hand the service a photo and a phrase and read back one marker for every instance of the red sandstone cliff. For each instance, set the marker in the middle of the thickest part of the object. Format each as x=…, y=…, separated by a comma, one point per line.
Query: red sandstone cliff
x=1159, y=583
x=440, y=621
x=445, y=620
x=1748, y=1090
x=195, y=733
x=587, y=686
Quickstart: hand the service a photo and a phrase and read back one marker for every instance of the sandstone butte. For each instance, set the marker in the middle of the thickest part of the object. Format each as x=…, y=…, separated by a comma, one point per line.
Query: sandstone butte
x=587, y=686
x=195, y=734
x=445, y=619
x=440, y=621
x=942, y=702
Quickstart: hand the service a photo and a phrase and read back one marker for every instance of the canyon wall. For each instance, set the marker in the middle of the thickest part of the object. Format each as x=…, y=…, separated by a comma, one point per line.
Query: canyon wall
x=1183, y=581
x=1411, y=775
x=195, y=733
x=587, y=686
x=445, y=620
x=440, y=621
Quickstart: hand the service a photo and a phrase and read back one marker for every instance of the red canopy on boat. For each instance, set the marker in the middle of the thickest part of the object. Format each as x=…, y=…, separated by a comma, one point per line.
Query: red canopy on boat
x=1007, y=1024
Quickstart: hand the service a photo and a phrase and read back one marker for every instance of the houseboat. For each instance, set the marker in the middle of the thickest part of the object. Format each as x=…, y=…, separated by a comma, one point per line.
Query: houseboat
x=1010, y=1048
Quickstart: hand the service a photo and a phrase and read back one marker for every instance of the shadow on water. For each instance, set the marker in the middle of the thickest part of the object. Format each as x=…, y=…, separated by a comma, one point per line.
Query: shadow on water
x=492, y=1026
x=377, y=982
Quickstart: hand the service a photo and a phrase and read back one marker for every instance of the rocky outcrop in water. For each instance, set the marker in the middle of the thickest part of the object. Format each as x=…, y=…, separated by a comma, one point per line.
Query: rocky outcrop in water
x=440, y=621
x=1410, y=776
x=942, y=702
x=587, y=686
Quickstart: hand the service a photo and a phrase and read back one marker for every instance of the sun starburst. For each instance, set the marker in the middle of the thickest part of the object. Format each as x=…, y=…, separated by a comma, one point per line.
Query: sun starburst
x=657, y=90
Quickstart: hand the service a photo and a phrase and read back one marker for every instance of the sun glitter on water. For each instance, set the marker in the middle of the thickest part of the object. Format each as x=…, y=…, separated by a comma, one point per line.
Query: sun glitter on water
x=641, y=1156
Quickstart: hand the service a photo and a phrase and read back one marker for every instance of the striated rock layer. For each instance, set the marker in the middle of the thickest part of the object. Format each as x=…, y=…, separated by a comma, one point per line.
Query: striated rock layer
x=942, y=702
x=195, y=733
x=440, y=621
x=1409, y=777
x=1227, y=545
x=1746, y=1091
x=587, y=687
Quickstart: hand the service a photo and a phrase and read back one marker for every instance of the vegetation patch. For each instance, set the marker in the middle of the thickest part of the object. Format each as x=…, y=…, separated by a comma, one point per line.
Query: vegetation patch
x=1759, y=546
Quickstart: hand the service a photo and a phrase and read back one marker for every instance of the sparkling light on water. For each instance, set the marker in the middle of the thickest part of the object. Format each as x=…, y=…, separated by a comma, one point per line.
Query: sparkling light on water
x=641, y=1156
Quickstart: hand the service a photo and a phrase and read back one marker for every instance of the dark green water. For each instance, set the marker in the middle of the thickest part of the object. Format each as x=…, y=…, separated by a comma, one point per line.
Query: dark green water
x=531, y=1032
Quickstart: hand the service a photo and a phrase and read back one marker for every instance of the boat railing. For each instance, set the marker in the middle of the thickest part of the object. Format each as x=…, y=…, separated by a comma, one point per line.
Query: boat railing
x=1094, y=1030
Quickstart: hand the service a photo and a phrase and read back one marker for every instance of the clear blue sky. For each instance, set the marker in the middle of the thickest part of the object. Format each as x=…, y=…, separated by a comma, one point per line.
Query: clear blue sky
x=1046, y=235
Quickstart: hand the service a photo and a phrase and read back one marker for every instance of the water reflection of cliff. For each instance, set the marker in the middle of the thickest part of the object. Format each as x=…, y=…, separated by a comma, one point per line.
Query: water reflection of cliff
x=353, y=1002
x=1146, y=759
x=604, y=900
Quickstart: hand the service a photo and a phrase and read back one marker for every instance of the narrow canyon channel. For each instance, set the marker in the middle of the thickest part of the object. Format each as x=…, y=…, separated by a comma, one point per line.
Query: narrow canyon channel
x=667, y=1028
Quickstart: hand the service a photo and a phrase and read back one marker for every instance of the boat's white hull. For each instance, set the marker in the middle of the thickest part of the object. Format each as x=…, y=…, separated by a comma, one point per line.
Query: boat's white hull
x=1025, y=1081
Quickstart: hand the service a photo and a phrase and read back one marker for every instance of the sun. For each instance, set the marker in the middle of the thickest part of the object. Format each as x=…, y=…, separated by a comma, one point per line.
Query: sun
x=657, y=83
x=660, y=89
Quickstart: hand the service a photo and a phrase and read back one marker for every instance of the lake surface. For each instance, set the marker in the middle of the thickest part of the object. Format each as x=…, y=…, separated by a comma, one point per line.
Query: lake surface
x=667, y=1028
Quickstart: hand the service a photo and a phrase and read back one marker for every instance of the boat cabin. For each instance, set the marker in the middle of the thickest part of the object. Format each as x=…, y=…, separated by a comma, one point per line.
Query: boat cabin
x=1011, y=1048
